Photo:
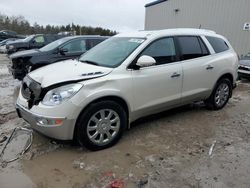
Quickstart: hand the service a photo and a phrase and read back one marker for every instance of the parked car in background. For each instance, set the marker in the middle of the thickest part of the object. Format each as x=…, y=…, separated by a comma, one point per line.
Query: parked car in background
x=3, y=44
x=32, y=42
x=6, y=34
x=3, y=49
x=94, y=99
x=68, y=33
x=244, y=67
x=59, y=50
x=7, y=40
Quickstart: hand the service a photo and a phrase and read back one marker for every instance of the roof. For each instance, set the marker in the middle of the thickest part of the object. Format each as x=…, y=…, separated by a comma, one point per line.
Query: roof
x=86, y=36
x=167, y=32
x=154, y=3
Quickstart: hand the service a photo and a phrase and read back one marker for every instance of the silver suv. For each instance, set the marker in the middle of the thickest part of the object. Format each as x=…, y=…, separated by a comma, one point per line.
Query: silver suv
x=94, y=99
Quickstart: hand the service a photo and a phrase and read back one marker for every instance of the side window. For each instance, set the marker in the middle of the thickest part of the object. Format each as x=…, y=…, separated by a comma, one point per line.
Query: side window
x=93, y=42
x=219, y=45
x=50, y=38
x=192, y=47
x=162, y=50
x=75, y=46
x=39, y=39
x=204, y=49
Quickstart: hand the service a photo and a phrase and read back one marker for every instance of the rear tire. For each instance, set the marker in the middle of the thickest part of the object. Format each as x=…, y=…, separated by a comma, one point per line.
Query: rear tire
x=220, y=95
x=101, y=125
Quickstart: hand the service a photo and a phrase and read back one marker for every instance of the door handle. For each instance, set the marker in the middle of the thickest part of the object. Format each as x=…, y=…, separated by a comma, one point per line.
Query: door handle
x=209, y=67
x=175, y=75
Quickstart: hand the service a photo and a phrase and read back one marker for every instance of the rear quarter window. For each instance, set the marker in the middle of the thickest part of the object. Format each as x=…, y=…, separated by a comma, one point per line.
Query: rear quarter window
x=218, y=44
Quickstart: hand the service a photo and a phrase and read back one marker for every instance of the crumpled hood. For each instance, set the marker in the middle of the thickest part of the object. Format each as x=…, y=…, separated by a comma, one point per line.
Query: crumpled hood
x=245, y=62
x=64, y=71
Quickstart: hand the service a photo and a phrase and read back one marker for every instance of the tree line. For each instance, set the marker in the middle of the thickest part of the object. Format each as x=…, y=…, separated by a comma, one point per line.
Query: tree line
x=22, y=26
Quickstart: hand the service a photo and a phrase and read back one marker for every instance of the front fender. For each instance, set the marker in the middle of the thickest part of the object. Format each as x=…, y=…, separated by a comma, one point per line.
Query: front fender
x=87, y=98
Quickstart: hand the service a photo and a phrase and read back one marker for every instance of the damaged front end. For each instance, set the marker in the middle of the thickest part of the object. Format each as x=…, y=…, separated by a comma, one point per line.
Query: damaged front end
x=31, y=91
x=19, y=67
x=34, y=93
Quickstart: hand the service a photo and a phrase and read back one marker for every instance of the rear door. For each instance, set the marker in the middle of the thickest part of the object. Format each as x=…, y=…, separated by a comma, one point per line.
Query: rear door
x=158, y=87
x=198, y=68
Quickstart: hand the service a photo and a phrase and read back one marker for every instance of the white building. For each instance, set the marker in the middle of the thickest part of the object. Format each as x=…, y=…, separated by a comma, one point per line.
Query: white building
x=230, y=18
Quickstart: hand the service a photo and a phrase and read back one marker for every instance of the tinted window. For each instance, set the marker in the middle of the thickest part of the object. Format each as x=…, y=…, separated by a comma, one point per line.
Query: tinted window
x=29, y=38
x=51, y=38
x=54, y=44
x=76, y=46
x=192, y=47
x=246, y=57
x=219, y=45
x=203, y=47
x=94, y=42
x=163, y=51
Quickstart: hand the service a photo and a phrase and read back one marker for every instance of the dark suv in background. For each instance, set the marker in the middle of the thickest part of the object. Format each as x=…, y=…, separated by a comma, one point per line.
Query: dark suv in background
x=31, y=42
x=6, y=34
x=66, y=48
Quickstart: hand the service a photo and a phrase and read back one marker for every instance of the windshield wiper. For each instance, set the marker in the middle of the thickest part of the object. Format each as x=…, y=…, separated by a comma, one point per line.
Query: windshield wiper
x=89, y=62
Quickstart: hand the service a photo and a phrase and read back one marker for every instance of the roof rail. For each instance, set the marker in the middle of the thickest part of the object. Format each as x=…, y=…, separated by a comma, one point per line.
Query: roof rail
x=154, y=3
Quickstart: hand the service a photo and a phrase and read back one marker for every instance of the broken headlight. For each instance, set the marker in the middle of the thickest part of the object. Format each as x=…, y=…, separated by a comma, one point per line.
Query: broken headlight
x=58, y=95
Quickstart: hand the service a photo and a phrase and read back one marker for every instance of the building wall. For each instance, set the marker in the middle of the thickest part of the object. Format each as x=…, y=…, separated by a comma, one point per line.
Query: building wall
x=226, y=17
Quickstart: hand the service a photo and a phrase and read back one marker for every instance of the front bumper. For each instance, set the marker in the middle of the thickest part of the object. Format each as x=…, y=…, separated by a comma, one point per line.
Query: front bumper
x=11, y=51
x=62, y=131
x=16, y=73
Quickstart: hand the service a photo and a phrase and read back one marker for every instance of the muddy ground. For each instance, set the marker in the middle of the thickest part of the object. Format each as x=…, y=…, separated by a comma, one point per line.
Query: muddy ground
x=170, y=149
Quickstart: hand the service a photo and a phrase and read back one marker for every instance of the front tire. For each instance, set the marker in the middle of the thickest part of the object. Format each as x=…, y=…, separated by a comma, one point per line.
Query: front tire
x=220, y=96
x=101, y=125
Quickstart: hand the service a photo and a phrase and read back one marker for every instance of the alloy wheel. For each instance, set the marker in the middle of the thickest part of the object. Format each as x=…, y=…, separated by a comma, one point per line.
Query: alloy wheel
x=103, y=126
x=222, y=94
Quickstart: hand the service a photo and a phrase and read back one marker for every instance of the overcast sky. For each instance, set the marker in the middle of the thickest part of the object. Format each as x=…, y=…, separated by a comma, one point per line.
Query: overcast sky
x=119, y=15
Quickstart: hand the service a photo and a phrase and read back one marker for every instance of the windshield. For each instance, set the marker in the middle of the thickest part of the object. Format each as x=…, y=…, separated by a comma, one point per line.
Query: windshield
x=246, y=57
x=27, y=39
x=112, y=52
x=53, y=45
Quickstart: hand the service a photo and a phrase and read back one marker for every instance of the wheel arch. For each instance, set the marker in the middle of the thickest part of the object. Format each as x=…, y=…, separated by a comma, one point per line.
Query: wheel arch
x=228, y=76
x=114, y=98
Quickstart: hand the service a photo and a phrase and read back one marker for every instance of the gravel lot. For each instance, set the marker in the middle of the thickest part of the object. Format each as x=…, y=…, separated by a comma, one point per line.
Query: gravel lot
x=170, y=149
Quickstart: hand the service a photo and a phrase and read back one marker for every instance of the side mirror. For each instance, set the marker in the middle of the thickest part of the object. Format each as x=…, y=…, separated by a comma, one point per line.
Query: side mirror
x=63, y=51
x=145, y=61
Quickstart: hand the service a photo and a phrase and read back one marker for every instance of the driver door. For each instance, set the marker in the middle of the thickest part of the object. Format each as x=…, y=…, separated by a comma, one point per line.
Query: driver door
x=38, y=42
x=158, y=87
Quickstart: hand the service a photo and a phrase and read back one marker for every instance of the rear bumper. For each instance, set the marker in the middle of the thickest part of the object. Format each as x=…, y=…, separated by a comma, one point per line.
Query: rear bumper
x=62, y=131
